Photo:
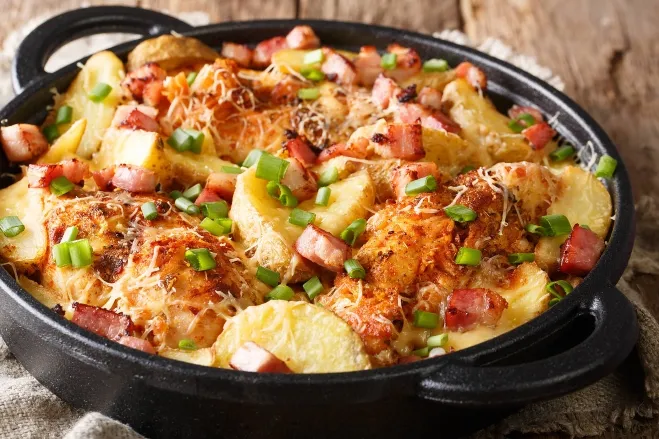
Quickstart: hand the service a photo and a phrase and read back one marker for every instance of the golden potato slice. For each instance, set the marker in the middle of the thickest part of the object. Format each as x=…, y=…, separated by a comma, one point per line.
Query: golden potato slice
x=308, y=338
x=450, y=152
x=201, y=357
x=46, y=296
x=170, y=52
x=437, y=80
x=292, y=60
x=66, y=145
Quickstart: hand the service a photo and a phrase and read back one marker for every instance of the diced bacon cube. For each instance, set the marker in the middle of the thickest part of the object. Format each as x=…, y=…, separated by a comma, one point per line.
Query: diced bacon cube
x=222, y=184
x=103, y=322
x=299, y=180
x=430, y=97
x=338, y=68
x=323, y=248
x=408, y=63
x=300, y=149
x=468, y=308
x=239, y=53
x=136, y=120
x=518, y=110
x=402, y=141
x=581, y=251
x=207, y=196
x=357, y=149
x=123, y=111
x=302, y=37
x=137, y=343
x=368, y=65
x=251, y=357
x=22, y=142
x=134, y=179
x=404, y=174
x=472, y=74
x=103, y=178
x=146, y=83
x=265, y=49
x=384, y=90
x=539, y=135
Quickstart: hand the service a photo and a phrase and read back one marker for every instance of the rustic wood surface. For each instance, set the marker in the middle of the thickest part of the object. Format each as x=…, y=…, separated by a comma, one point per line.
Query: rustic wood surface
x=606, y=51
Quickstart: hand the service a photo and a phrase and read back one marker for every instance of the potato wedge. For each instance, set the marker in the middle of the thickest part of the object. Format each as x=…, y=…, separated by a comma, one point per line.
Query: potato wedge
x=170, y=52
x=66, y=145
x=47, y=297
x=436, y=80
x=292, y=60
x=102, y=67
x=26, y=250
x=308, y=338
x=450, y=152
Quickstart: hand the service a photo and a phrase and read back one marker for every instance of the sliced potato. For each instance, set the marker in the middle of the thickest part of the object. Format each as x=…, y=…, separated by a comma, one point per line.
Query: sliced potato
x=292, y=60
x=436, y=80
x=450, y=151
x=66, y=145
x=170, y=52
x=308, y=338
x=47, y=297
x=102, y=67
x=201, y=357
x=26, y=250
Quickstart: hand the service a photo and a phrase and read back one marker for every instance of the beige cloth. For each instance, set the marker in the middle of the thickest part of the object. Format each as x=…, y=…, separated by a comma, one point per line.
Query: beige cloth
x=624, y=404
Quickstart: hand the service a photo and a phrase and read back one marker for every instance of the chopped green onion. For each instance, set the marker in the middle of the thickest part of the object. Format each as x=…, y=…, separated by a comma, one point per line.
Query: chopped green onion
x=212, y=227
x=191, y=77
x=562, y=153
x=437, y=341
x=556, y=225
x=331, y=175
x=268, y=277
x=60, y=186
x=64, y=115
x=149, y=210
x=192, y=192
x=271, y=168
x=280, y=292
x=518, y=258
x=301, y=217
x=51, y=132
x=197, y=140
x=180, y=140
x=200, y=259
x=466, y=169
x=468, y=256
x=231, y=170
x=354, y=269
x=282, y=193
x=186, y=206
x=176, y=194
x=70, y=234
x=61, y=254
x=424, y=319
x=252, y=158
x=425, y=184
x=435, y=65
x=606, y=167
x=563, y=284
x=312, y=74
x=313, y=287
x=314, y=57
x=352, y=232
x=423, y=352
x=527, y=119
x=515, y=126
x=554, y=301
x=80, y=252
x=11, y=226
x=187, y=344
x=227, y=223
x=323, y=196
x=537, y=230
x=460, y=213
x=215, y=209
x=99, y=92
x=308, y=94
x=389, y=61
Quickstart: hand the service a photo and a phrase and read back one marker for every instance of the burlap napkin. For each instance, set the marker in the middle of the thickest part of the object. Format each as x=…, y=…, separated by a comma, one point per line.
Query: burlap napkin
x=624, y=404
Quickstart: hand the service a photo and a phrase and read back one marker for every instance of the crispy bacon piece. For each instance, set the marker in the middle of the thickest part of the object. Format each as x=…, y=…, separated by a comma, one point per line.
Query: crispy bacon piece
x=518, y=110
x=137, y=343
x=338, y=68
x=40, y=176
x=404, y=174
x=251, y=357
x=300, y=149
x=539, y=134
x=22, y=142
x=407, y=94
x=222, y=184
x=323, y=248
x=357, y=149
x=123, y=111
x=474, y=76
x=581, y=251
x=146, y=83
x=238, y=52
x=103, y=322
x=265, y=49
x=103, y=178
x=134, y=179
x=302, y=37
x=368, y=65
x=430, y=97
x=207, y=196
x=384, y=90
x=136, y=120
x=410, y=113
x=285, y=91
x=408, y=63
x=467, y=308
x=402, y=141
x=299, y=180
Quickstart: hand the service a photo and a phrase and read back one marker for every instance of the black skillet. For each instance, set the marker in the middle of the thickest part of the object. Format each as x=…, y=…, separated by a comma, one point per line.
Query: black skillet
x=575, y=343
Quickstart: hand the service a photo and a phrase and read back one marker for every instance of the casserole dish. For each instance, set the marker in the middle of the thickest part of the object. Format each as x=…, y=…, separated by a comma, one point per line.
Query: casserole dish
x=580, y=340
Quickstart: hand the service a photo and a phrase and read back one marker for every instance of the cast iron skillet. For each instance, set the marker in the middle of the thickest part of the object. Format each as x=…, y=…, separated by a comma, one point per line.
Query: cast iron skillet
x=578, y=341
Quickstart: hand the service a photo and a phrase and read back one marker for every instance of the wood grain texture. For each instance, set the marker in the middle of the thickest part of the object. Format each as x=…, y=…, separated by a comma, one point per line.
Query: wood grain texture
x=228, y=10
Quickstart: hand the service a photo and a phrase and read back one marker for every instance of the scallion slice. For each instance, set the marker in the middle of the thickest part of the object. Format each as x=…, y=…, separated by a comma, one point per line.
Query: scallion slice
x=282, y=193
x=192, y=192
x=354, y=269
x=80, y=252
x=301, y=217
x=352, y=232
x=308, y=94
x=556, y=225
x=314, y=57
x=60, y=186
x=176, y=194
x=231, y=170
x=186, y=206
x=437, y=341
x=435, y=65
x=70, y=234
x=313, y=287
x=323, y=196
x=226, y=223
x=51, y=132
x=562, y=153
x=329, y=176
x=61, y=254
x=515, y=126
x=606, y=167
x=280, y=292
x=200, y=259
x=268, y=277
x=149, y=210
x=187, y=345
x=565, y=286
x=424, y=319
x=389, y=61
x=271, y=168
x=99, y=92
x=312, y=74
x=252, y=158
x=536, y=229
x=468, y=256
x=460, y=213
x=518, y=258
x=527, y=119
x=423, y=352
x=425, y=184
x=64, y=115
x=191, y=77
x=212, y=227
x=11, y=226
x=215, y=209
x=180, y=140
x=197, y=140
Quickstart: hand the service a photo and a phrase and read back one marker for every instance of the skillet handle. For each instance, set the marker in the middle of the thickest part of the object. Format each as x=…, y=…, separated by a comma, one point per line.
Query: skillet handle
x=470, y=382
x=45, y=39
